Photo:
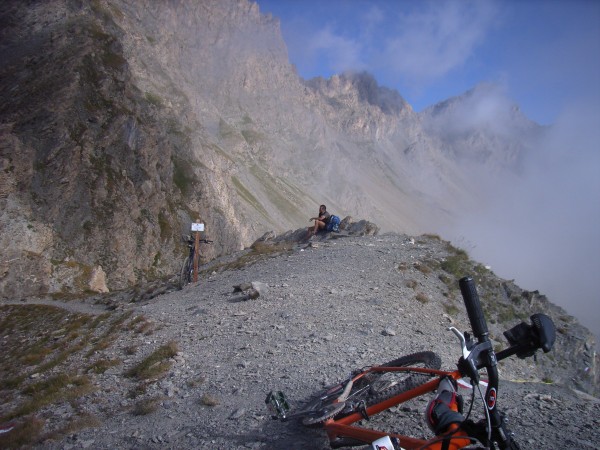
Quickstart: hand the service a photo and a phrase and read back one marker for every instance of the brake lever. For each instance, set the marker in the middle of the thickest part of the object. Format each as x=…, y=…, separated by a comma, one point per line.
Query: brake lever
x=463, y=342
x=467, y=366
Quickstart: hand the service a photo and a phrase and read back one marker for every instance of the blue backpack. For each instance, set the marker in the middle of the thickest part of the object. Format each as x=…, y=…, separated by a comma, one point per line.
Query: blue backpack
x=333, y=224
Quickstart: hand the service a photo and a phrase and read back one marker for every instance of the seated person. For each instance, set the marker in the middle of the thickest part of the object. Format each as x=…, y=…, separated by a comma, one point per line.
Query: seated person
x=321, y=221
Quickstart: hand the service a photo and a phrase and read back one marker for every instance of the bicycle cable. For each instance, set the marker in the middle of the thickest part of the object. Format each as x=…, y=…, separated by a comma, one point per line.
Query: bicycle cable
x=487, y=415
x=449, y=438
x=471, y=404
x=460, y=427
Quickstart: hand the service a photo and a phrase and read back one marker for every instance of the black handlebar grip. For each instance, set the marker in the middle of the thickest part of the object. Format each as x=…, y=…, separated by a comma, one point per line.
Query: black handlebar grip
x=474, y=311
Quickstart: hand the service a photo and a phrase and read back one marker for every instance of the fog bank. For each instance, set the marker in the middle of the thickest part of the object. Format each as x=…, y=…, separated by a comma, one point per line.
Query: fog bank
x=541, y=227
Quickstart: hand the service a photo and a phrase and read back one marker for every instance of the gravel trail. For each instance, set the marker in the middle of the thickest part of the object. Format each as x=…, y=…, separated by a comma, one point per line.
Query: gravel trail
x=323, y=310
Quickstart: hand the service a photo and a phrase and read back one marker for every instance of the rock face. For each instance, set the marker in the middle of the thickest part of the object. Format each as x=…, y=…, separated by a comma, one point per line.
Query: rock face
x=121, y=122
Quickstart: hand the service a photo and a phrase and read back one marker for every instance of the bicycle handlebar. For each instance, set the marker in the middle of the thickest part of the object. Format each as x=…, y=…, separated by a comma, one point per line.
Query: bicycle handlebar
x=473, y=306
x=191, y=241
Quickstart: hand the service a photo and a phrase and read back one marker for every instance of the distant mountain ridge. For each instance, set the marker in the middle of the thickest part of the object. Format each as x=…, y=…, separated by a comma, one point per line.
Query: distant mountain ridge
x=124, y=121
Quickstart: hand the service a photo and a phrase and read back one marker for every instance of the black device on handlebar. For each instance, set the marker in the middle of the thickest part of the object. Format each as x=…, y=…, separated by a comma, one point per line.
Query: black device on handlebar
x=524, y=340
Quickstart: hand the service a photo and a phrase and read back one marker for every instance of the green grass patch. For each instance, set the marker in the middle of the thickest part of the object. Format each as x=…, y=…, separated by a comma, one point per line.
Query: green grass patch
x=75, y=424
x=146, y=406
x=55, y=389
x=423, y=268
x=137, y=390
x=25, y=434
x=448, y=281
x=411, y=284
x=252, y=137
x=156, y=364
x=153, y=99
x=248, y=197
x=37, y=338
x=40, y=364
x=451, y=309
x=136, y=321
x=195, y=382
x=102, y=365
x=12, y=382
x=402, y=267
x=61, y=357
x=422, y=298
x=280, y=193
x=108, y=337
x=209, y=400
x=258, y=252
x=456, y=264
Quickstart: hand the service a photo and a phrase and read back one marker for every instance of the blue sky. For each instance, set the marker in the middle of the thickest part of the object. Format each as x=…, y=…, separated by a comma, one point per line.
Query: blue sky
x=544, y=53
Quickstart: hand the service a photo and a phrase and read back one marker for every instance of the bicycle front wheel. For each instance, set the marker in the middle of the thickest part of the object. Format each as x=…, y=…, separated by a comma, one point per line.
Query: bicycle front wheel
x=185, y=276
x=372, y=388
x=384, y=385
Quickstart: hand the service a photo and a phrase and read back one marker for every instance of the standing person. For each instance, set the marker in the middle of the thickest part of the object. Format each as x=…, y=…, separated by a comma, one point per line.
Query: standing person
x=321, y=221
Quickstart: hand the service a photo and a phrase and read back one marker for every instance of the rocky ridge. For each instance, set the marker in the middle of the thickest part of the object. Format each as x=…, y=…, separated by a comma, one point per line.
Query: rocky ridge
x=325, y=307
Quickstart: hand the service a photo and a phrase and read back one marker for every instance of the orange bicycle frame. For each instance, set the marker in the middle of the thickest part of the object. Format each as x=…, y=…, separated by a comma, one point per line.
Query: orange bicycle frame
x=343, y=428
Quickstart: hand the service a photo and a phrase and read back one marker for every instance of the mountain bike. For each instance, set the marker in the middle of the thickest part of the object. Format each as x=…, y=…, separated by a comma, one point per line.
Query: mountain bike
x=187, y=269
x=371, y=390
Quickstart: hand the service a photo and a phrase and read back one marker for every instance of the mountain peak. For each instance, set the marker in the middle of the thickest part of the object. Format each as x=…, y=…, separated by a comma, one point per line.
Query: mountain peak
x=364, y=87
x=484, y=103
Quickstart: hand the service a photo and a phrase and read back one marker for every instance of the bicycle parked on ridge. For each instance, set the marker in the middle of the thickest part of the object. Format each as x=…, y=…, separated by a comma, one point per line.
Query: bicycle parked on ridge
x=371, y=390
x=187, y=269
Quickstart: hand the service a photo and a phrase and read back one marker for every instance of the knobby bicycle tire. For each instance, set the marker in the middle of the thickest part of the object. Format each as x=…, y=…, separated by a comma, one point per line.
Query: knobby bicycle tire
x=319, y=413
x=185, y=276
x=319, y=407
x=513, y=446
x=385, y=385
x=373, y=388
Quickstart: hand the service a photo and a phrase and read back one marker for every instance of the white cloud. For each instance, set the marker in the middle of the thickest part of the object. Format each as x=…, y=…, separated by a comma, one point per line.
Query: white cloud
x=437, y=39
x=373, y=18
x=341, y=53
x=419, y=45
x=487, y=106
